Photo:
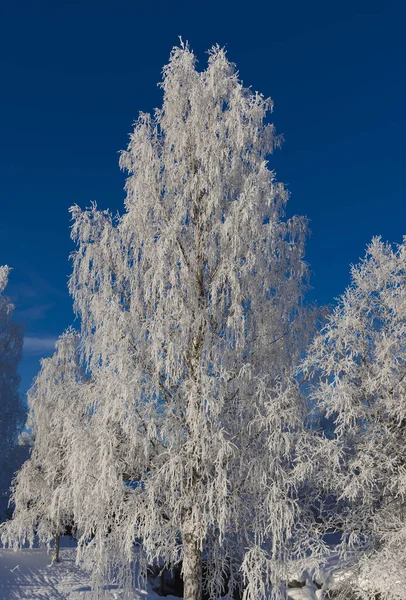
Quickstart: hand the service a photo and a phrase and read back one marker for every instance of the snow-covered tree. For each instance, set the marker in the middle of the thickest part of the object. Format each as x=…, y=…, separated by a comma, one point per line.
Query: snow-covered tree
x=192, y=322
x=12, y=413
x=39, y=490
x=358, y=363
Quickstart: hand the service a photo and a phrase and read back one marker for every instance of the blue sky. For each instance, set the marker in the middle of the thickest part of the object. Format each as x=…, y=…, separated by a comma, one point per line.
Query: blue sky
x=74, y=76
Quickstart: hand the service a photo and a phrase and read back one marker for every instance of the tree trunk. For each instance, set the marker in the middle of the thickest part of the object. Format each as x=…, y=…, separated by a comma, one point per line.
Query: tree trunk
x=191, y=567
x=55, y=557
x=162, y=583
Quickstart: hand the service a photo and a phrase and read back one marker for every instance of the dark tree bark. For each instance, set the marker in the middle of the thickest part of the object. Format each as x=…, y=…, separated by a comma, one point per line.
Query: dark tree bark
x=55, y=557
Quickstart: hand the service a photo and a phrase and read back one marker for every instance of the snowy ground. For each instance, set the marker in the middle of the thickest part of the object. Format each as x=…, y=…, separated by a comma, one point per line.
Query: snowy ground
x=28, y=575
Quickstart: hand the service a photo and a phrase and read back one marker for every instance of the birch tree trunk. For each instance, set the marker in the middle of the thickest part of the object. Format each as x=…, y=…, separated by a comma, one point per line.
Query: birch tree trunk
x=55, y=557
x=192, y=566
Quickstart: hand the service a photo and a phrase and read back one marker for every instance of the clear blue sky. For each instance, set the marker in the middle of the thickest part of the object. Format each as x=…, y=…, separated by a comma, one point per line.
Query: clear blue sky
x=74, y=75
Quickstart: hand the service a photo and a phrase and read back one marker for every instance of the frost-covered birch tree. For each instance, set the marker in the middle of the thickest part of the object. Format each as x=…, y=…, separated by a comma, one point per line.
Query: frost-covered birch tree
x=359, y=365
x=12, y=413
x=39, y=490
x=192, y=315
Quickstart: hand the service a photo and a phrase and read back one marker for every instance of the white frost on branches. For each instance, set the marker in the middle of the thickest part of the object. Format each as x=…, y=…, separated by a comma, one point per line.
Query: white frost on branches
x=188, y=437
x=359, y=360
x=39, y=490
x=192, y=322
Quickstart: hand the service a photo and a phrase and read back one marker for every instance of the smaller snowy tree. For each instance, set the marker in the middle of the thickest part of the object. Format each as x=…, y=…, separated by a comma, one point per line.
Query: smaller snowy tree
x=12, y=413
x=39, y=490
x=358, y=367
